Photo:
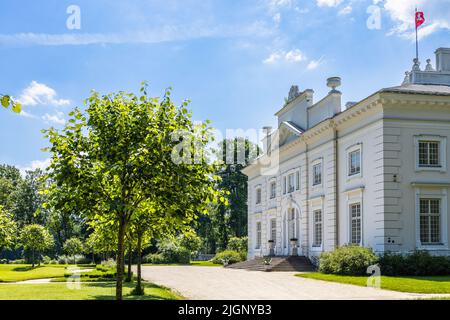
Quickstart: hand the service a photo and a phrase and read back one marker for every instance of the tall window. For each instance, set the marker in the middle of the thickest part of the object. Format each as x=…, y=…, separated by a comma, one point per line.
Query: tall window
x=429, y=154
x=273, y=190
x=355, y=223
x=291, y=183
x=258, y=235
x=430, y=221
x=273, y=229
x=258, y=196
x=354, y=165
x=284, y=185
x=317, y=174
x=317, y=230
x=297, y=180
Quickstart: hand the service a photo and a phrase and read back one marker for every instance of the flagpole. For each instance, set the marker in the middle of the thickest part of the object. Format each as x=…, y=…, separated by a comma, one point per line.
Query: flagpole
x=417, y=38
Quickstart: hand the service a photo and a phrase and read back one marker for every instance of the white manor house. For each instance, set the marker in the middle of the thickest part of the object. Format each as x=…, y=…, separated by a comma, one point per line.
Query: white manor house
x=374, y=174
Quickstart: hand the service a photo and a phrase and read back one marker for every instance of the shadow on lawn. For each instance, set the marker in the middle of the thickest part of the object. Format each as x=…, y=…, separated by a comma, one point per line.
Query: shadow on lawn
x=29, y=268
x=112, y=286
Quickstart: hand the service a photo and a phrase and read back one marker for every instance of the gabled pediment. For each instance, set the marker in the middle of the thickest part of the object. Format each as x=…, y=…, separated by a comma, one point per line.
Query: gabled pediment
x=288, y=131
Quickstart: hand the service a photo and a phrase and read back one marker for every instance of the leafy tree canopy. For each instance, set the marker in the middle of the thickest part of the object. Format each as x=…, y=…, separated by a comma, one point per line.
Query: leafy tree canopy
x=8, y=230
x=7, y=102
x=117, y=157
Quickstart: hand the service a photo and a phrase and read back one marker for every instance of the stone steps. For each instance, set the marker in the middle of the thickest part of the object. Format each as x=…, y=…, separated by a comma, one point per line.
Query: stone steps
x=278, y=264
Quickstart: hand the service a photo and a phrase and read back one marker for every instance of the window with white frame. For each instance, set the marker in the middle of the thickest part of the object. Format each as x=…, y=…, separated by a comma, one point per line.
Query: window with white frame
x=430, y=221
x=273, y=230
x=317, y=228
x=258, y=196
x=429, y=153
x=297, y=180
x=291, y=183
x=284, y=185
x=354, y=162
x=273, y=190
x=317, y=174
x=355, y=223
x=258, y=235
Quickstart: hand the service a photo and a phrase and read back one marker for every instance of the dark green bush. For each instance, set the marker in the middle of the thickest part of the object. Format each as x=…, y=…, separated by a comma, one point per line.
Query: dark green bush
x=347, y=260
x=227, y=255
x=419, y=263
x=177, y=255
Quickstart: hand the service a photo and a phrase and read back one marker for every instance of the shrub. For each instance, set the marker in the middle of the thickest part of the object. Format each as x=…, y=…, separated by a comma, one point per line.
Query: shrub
x=154, y=258
x=46, y=260
x=230, y=255
x=109, y=263
x=347, y=260
x=238, y=244
x=18, y=261
x=419, y=263
x=174, y=253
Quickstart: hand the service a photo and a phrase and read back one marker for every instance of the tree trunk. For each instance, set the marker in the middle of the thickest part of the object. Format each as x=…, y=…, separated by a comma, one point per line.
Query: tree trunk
x=93, y=258
x=120, y=258
x=32, y=258
x=130, y=254
x=139, y=263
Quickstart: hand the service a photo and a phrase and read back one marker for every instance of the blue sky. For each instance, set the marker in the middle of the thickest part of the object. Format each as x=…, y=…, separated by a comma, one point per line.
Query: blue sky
x=235, y=60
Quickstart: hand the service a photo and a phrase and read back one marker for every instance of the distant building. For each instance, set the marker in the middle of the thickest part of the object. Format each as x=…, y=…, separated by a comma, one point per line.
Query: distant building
x=375, y=174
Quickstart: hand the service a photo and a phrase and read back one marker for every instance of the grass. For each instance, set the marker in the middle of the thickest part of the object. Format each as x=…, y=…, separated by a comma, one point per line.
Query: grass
x=430, y=284
x=193, y=263
x=87, y=291
x=22, y=272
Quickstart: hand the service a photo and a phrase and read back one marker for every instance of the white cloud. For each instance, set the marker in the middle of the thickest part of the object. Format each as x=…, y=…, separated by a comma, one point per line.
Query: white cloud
x=33, y=165
x=57, y=118
x=40, y=94
x=168, y=33
x=345, y=11
x=280, y=3
x=293, y=56
x=402, y=14
x=273, y=58
x=277, y=18
x=314, y=64
x=328, y=3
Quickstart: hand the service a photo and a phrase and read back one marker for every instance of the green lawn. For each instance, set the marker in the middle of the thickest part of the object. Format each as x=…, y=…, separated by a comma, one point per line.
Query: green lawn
x=193, y=263
x=88, y=291
x=21, y=272
x=434, y=284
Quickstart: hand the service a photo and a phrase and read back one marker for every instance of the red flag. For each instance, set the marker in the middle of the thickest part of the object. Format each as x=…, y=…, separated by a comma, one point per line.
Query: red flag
x=420, y=18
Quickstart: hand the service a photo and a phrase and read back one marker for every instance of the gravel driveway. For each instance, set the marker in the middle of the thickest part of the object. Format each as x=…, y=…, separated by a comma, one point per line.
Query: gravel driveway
x=217, y=283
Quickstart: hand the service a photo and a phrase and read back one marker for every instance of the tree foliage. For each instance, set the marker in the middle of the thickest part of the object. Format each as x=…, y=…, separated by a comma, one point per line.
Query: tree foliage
x=8, y=230
x=36, y=238
x=7, y=102
x=73, y=246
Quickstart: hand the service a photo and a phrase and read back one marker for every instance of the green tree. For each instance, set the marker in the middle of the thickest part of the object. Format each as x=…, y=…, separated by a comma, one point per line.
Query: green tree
x=8, y=230
x=235, y=154
x=72, y=247
x=36, y=238
x=26, y=199
x=191, y=241
x=9, y=181
x=119, y=155
x=7, y=102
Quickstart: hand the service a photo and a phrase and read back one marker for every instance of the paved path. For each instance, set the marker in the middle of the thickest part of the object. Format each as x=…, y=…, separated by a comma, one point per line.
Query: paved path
x=216, y=283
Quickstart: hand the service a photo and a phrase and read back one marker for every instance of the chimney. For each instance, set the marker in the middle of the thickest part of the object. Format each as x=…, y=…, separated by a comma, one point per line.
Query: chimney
x=443, y=60
x=268, y=139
